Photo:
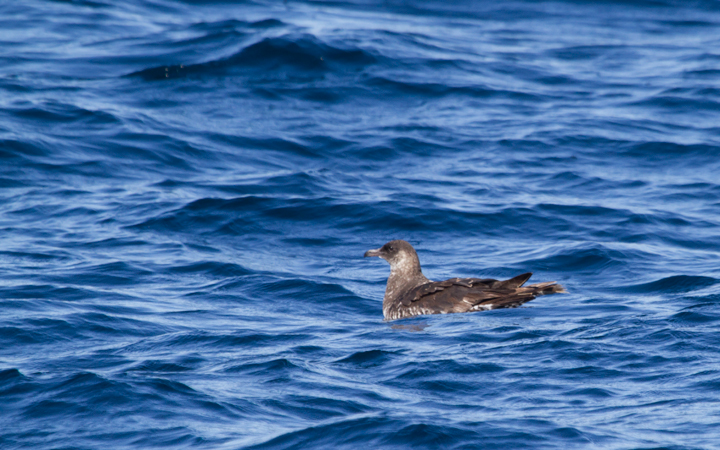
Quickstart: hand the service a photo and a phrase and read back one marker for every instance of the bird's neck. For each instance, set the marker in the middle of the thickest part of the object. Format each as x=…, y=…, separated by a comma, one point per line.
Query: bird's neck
x=400, y=282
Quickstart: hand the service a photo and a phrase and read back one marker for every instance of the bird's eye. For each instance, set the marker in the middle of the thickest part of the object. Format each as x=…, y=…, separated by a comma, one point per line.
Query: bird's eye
x=391, y=248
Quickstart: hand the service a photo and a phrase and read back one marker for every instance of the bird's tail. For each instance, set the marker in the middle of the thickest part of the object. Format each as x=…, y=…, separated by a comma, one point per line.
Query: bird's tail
x=547, y=288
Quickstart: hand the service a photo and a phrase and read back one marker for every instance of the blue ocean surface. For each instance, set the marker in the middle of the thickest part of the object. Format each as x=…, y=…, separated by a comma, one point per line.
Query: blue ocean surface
x=187, y=189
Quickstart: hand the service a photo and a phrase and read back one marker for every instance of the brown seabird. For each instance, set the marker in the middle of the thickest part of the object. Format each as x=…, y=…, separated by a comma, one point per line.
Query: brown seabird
x=409, y=293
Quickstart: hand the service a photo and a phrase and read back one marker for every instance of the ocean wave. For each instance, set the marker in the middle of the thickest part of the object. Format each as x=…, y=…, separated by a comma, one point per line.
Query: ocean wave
x=289, y=57
x=181, y=262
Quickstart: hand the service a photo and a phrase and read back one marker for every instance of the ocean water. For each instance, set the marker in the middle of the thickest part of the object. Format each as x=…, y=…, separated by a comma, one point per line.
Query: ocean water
x=187, y=189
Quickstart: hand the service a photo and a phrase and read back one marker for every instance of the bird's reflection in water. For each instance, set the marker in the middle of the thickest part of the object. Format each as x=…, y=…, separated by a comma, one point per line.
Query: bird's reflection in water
x=413, y=327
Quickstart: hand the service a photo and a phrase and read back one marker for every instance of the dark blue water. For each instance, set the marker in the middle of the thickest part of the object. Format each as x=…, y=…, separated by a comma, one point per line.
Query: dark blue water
x=187, y=190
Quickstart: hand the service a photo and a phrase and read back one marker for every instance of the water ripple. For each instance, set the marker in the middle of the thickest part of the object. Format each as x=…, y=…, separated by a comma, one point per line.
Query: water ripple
x=188, y=189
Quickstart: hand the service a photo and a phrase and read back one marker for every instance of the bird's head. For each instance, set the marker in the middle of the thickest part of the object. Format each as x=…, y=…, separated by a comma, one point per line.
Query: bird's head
x=400, y=254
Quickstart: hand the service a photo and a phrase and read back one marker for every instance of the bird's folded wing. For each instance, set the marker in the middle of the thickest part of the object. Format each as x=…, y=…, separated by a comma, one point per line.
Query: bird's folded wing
x=456, y=284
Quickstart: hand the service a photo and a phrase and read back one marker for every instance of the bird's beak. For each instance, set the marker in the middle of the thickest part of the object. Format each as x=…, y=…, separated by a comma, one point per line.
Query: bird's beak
x=376, y=252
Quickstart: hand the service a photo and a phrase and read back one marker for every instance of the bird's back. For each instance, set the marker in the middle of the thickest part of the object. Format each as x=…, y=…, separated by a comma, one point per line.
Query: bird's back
x=467, y=294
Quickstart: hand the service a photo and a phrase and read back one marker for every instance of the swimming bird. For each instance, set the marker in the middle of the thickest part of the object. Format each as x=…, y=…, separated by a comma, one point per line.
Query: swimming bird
x=409, y=293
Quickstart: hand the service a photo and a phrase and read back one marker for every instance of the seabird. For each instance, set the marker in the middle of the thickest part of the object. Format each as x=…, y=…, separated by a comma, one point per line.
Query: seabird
x=409, y=293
